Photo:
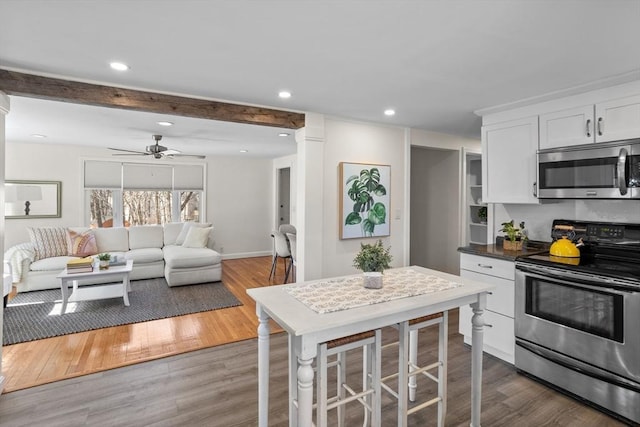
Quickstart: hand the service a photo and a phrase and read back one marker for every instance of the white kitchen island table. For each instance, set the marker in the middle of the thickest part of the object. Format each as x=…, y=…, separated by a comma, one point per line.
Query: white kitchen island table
x=308, y=327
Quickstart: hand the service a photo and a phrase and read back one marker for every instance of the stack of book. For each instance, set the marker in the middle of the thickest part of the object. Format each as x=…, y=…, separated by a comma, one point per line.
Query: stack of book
x=80, y=265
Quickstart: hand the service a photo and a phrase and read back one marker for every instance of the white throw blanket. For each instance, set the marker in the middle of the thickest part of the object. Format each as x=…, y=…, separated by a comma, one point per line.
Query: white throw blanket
x=16, y=255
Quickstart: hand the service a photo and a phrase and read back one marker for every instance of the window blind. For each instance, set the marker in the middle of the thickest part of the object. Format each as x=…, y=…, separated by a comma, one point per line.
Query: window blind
x=188, y=177
x=99, y=174
x=137, y=176
x=142, y=176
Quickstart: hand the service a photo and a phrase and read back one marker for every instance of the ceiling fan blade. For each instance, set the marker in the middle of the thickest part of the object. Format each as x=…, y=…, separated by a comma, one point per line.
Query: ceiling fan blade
x=197, y=156
x=133, y=153
x=127, y=151
x=170, y=152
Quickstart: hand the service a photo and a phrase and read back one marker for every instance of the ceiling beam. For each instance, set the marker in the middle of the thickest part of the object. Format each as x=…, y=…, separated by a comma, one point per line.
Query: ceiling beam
x=33, y=86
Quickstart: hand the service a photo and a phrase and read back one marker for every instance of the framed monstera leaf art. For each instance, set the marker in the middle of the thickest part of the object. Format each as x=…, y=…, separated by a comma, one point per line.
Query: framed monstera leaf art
x=364, y=200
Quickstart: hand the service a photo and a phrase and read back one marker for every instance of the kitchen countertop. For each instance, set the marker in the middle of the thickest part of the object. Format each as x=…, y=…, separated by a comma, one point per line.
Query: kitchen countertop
x=496, y=251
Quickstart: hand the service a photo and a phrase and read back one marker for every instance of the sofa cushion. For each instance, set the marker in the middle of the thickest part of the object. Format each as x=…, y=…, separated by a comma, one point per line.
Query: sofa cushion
x=56, y=263
x=112, y=239
x=181, y=257
x=171, y=232
x=146, y=236
x=197, y=237
x=185, y=230
x=81, y=244
x=144, y=255
x=48, y=241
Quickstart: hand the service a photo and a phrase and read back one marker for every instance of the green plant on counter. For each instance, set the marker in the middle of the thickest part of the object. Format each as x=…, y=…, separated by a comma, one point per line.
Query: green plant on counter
x=373, y=257
x=104, y=257
x=512, y=232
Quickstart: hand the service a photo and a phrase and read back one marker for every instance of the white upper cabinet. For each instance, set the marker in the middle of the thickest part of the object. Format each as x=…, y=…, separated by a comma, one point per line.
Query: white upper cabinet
x=614, y=120
x=567, y=127
x=509, y=161
x=618, y=119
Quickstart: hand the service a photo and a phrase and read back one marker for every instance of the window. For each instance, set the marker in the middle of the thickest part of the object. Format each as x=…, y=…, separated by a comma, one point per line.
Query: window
x=142, y=194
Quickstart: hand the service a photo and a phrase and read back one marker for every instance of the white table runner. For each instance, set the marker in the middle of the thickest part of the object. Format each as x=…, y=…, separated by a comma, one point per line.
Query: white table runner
x=345, y=293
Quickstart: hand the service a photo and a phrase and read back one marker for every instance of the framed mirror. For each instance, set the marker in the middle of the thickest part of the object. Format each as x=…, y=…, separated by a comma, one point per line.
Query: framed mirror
x=32, y=199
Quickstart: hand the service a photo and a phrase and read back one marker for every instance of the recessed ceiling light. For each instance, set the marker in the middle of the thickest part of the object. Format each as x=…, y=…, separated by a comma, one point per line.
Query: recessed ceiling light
x=244, y=151
x=389, y=112
x=37, y=135
x=165, y=123
x=284, y=94
x=283, y=134
x=119, y=66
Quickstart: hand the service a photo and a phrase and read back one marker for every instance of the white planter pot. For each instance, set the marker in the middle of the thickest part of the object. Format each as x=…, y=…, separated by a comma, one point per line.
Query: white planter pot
x=104, y=265
x=372, y=279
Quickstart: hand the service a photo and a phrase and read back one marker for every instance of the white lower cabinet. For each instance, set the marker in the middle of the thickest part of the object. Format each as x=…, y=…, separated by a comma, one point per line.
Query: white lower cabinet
x=499, y=338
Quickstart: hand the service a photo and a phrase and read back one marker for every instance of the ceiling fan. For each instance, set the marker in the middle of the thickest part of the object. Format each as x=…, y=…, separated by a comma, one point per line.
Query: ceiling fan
x=156, y=150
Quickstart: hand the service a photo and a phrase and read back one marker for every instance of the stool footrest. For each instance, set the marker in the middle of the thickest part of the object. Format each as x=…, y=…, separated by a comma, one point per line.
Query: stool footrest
x=423, y=405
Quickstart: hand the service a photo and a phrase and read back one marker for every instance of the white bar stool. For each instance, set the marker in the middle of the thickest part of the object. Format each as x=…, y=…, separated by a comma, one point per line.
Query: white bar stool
x=369, y=396
x=408, y=368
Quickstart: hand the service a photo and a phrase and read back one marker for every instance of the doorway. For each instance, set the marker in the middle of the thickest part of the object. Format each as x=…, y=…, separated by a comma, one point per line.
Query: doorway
x=435, y=204
x=284, y=196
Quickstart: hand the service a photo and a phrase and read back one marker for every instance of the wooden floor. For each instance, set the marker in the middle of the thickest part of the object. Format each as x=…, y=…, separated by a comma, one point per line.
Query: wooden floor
x=53, y=359
x=217, y=385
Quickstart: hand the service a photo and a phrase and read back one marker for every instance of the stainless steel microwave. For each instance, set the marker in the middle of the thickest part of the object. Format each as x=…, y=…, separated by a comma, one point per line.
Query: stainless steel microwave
x=593, y=171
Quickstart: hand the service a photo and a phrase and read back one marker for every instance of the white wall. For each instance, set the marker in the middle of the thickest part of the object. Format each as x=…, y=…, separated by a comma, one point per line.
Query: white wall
x=239, y=194
x=356, y=142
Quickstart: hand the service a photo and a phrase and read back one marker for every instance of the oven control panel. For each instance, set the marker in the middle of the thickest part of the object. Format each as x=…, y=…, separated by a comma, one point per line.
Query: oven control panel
x=605, y=232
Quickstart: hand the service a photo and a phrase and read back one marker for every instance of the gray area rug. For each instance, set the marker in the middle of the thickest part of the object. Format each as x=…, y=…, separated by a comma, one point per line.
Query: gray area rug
x=36, y=315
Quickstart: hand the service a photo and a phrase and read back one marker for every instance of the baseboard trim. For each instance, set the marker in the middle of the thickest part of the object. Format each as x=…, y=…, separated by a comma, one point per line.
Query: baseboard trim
x=246, y=255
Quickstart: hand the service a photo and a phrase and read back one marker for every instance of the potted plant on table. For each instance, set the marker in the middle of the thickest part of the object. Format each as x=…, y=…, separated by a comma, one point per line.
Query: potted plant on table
x=104, y=260
x=514, y=236
x=373, y=260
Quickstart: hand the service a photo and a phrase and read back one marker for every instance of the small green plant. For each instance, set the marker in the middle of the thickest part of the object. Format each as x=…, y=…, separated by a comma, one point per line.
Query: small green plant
x=104, y=257
x=482, y=213
x=373, y=257
x=512, y=232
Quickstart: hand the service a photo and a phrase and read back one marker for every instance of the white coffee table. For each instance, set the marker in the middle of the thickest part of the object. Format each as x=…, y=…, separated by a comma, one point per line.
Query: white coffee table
x=88, y=291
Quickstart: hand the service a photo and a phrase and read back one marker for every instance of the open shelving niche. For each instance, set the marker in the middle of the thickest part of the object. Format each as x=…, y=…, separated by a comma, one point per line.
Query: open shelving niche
x=475, y=229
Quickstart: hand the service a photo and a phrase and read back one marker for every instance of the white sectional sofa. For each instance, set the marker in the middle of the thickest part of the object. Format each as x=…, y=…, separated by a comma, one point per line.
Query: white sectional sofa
x=156, y=251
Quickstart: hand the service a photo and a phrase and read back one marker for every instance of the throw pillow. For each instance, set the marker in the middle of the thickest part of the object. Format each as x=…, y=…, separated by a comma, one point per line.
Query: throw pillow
x=48, y=241
x=81, y=244
x=197, y=237
x=185, y=229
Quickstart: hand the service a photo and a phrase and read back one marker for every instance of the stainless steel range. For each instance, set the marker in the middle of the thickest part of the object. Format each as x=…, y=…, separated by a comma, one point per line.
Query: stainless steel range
x=577, y=320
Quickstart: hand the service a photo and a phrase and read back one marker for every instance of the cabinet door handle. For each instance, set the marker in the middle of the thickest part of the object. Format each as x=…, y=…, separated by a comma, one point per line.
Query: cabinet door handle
x=488, y=325
x=589, y=128
x=535, y=189
x=600, y=126
x=489, y=293
x=485, y=266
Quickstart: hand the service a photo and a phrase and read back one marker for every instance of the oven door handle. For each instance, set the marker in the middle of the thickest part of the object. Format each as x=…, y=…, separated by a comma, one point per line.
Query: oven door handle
x=583, y=280
x=579, y=367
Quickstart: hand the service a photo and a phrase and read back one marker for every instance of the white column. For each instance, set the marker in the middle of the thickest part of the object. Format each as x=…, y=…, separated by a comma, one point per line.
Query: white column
x=310, y=188
x=4, y=110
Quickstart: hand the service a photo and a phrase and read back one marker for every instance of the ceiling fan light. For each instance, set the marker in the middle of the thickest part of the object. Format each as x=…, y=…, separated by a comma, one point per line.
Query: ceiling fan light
x=162, y=123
